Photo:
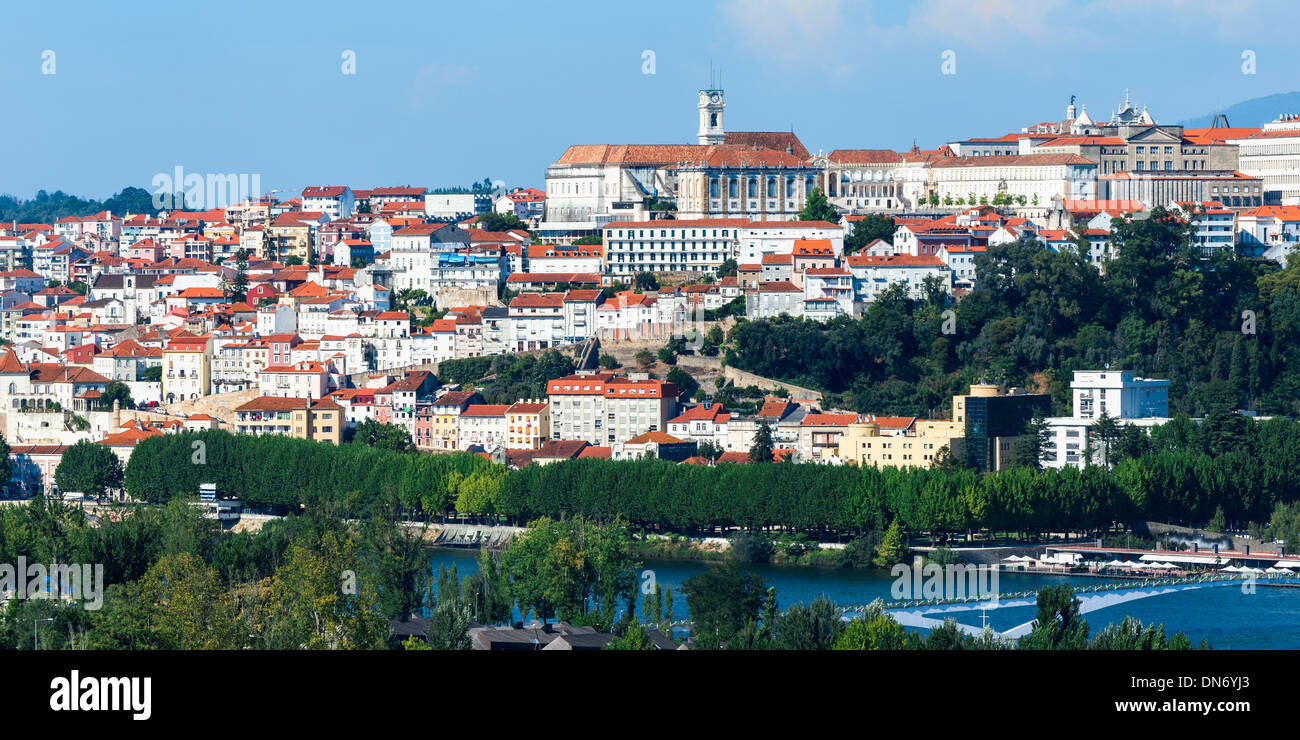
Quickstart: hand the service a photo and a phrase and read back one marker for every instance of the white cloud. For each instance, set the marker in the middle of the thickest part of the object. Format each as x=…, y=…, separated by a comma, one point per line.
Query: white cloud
x=783, y=29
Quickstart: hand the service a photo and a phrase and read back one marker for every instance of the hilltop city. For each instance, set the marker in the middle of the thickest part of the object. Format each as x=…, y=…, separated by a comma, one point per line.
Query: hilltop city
x=309, y=316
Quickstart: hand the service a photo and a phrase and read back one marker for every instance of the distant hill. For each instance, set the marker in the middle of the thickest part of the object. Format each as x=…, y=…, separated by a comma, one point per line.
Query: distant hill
x=1252, y=113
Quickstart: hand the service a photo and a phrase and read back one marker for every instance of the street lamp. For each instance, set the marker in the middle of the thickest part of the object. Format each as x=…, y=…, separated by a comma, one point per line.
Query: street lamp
x=36, y=621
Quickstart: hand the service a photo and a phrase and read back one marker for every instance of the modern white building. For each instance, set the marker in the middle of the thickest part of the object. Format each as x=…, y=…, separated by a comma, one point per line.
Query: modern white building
x=1214, y=227
x=1117, y=393
x=1273, y=155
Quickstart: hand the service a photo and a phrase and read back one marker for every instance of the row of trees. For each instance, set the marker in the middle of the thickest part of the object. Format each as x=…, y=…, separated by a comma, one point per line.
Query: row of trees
x=284, y=473
x=48, y=207
x=1193, y=470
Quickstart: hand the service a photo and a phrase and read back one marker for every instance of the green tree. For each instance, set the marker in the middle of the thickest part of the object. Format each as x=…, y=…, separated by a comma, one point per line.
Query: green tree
x=818, y=208
x=320, y=600
x=646, y=282
x=1107, y=433
x=1218, y=523
x=117, y=391
x=813, y=627
x=1058, y=626
x=722, y=600
x=501, y=222
x=879, y=632
x=1030, y=448
x=189, y=606
x=239, y=283
x=89, y=468
x=383, y=435
x=761, y=450
x=893, y=549
x=633, y=638
x=868, y=229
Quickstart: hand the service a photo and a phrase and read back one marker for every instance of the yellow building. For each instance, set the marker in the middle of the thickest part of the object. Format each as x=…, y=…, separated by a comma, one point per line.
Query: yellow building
x=320, y=421
x=288, y=236
x=529, y=425
x=863, y=445
x=447, y=409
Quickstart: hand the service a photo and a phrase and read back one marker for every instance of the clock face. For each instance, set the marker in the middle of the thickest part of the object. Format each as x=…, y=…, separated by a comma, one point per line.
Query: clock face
x=715, y=97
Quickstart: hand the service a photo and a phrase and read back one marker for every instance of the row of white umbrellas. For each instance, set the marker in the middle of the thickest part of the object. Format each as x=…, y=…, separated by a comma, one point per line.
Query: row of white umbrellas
x=1140, y=565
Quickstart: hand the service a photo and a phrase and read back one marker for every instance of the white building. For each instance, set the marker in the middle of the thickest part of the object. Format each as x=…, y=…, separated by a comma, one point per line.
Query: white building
x=1038, y=178
x=1270, y=230
x=1140, y=401
x=1273, y=155
x=872, y=275
x=669, y=246
x=778, y=237
x=335, y=201
x=1214, y=227
x=605, y=409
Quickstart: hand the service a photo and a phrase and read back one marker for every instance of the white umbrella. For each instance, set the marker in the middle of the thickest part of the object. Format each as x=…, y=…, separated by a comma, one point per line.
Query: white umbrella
x=1251, y=570
x=1278, y=570
x=1117, y=564
x=1230, y=569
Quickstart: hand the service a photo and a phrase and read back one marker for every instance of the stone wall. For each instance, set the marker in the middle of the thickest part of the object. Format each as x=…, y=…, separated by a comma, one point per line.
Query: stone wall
x=742, y=378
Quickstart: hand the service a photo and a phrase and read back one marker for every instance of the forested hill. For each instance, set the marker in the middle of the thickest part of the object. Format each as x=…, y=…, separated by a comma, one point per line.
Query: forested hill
x=1161, y=310
x=46, y=208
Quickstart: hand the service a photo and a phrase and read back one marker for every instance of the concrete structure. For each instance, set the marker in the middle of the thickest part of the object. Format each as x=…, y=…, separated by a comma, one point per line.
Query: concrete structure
x=1118, y=394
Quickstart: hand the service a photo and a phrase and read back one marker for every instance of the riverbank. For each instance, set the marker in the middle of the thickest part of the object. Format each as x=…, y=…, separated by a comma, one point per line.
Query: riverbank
x=774, y=551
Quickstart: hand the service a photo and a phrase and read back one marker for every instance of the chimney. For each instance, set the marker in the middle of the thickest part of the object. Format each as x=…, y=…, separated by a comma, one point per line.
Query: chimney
x=1196, y=547
x=1216, y=549
x=1246, y=551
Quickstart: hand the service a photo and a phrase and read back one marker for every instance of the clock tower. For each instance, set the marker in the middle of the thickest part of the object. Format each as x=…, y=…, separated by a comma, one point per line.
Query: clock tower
x=711, y=106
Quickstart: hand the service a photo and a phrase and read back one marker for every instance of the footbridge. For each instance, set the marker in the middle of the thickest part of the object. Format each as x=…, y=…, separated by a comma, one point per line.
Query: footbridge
x=930, y=616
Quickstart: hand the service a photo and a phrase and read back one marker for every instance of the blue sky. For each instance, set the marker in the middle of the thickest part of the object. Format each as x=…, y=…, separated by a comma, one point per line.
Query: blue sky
x=447, y=93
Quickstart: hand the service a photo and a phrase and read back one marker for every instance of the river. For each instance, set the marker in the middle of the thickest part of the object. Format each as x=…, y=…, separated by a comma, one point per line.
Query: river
x=1268, y=619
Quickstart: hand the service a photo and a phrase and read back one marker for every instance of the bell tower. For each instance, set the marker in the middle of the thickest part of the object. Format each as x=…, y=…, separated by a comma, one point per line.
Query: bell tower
x=711, y=106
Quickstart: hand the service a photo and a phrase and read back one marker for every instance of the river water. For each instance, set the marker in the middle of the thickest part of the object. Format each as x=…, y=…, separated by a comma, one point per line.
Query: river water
x=1269, y=618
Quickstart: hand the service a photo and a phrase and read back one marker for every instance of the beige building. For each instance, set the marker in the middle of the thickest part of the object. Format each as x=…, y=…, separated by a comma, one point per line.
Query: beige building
x=447, y=409
x=528, y=424
x=758, y=184
x=187, y=368
x=290, y=235
x=863, y=444
x=320, y=421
